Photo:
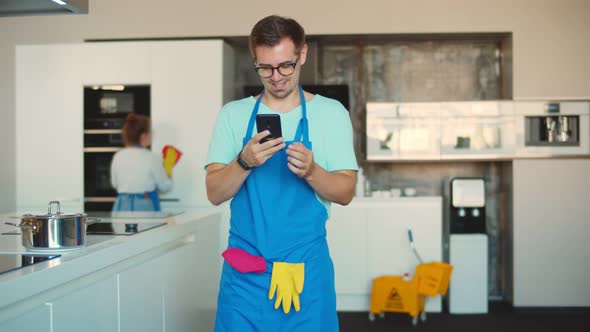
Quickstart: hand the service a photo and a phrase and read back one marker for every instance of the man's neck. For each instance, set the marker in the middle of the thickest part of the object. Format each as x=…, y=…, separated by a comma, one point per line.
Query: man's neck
x=282, y=105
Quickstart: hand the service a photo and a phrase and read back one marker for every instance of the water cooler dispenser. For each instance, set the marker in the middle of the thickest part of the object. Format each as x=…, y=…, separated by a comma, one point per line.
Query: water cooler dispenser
x=468, y=247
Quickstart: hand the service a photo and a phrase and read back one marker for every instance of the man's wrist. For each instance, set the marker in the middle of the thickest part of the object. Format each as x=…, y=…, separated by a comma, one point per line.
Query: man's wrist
x=243, y=163
x=308, y=176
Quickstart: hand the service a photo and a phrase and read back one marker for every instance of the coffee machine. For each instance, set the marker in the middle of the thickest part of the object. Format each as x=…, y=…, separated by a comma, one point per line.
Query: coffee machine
x=554, y=127
x=468, y=214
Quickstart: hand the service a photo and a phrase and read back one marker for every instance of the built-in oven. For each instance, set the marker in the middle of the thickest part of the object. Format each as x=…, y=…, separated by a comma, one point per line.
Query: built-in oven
x=99, y=194
x=106, y=106
x=105, y=109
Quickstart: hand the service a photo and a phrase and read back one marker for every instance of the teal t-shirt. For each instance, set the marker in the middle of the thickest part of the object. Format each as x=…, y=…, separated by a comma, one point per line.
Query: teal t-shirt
x=330, y=132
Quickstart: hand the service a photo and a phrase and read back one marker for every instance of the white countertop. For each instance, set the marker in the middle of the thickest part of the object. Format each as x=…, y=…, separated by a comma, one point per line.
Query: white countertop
x=368, y=200
x=99, y=252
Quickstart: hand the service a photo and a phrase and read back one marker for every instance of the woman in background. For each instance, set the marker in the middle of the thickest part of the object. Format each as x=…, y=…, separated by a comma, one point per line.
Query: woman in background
x=136, y=173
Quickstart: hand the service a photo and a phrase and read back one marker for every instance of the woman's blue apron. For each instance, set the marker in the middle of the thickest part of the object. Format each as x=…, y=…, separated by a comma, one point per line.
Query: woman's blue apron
x=277, y=215
x=148, y=201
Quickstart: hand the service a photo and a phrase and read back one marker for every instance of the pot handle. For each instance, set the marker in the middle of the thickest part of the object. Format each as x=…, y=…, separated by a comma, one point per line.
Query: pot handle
x=90, y=221
x=22, y=226
x=49, y=207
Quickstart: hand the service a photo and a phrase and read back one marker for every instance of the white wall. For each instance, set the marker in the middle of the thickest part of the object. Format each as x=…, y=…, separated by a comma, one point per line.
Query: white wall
x=550, y=56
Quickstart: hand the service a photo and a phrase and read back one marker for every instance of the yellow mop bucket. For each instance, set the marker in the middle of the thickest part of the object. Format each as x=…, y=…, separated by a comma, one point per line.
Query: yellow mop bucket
x=433, y=278
x=394, y=294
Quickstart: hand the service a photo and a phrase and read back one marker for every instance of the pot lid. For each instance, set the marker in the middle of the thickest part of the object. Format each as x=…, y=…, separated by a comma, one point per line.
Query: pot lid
x=53, y=214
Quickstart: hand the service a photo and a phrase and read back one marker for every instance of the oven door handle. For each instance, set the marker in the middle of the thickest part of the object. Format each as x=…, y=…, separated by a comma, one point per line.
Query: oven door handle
x=101, y=150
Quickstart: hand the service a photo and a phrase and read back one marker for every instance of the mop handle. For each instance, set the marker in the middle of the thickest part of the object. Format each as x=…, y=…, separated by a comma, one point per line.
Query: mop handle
x=411, y=238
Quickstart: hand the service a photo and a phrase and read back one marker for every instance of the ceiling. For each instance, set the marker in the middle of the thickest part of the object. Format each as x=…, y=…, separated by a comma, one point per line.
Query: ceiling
x=42, y=7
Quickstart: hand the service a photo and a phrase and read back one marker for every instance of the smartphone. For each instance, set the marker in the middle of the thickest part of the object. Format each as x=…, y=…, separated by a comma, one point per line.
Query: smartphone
x=270, y=122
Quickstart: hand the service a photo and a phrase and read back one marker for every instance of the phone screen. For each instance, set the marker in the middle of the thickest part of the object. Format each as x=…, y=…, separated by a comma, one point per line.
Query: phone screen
x=270, y=122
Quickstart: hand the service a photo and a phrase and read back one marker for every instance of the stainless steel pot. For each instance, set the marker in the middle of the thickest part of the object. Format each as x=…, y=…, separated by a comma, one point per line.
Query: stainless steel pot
x=54, y=230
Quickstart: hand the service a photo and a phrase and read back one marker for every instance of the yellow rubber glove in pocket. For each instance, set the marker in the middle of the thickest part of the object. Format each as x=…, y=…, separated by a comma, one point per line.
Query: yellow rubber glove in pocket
x=287, y=281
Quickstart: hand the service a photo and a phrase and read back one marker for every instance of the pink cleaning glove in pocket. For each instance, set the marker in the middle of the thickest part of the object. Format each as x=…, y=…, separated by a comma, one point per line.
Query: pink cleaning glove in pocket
x=243, y=261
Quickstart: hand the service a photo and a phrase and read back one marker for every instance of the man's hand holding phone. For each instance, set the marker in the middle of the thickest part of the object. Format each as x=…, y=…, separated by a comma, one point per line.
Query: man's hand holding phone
x=256, y=153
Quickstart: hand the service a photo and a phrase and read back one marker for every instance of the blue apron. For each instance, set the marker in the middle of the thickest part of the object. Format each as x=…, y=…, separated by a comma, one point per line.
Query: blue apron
x=148, y=201
x=277, y=215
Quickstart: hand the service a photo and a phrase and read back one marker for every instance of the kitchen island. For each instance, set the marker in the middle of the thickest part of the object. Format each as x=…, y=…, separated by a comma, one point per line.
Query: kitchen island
x=162, y=279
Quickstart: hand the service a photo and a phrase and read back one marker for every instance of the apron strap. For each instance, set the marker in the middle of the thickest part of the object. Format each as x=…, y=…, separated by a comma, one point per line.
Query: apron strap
x=302, y=133
x=155, y=198
x=252, y=120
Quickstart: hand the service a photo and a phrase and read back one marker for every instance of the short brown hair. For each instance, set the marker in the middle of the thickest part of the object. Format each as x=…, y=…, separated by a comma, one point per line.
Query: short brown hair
x=270, y=30
x=135, y=126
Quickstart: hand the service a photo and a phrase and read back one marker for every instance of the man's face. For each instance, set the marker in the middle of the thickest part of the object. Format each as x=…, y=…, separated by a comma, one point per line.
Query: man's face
x=278, y=85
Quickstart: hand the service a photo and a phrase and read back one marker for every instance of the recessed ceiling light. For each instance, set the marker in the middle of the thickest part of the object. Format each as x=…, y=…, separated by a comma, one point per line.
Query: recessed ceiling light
x=63, y=3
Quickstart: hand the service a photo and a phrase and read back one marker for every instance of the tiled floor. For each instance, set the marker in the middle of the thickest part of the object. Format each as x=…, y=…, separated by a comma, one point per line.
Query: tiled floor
x=500, y=318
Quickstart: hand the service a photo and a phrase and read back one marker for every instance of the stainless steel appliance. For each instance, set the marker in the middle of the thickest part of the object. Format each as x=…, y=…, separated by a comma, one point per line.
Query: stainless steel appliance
x=54, y=230
x=11, y=262
x=552, y=130
x=105, y=109
x=546, y=129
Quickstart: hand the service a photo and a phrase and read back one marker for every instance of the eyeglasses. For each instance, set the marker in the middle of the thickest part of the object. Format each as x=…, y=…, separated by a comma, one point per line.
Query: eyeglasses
x=284, y=69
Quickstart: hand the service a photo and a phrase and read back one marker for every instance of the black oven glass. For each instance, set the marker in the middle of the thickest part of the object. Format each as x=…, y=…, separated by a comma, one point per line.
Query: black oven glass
x=98, y=140
x=97, y=174
x=106, y=106
x=116, y=103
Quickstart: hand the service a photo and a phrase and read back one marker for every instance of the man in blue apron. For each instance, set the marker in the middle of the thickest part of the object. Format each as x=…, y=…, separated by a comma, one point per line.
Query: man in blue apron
x=278, y=274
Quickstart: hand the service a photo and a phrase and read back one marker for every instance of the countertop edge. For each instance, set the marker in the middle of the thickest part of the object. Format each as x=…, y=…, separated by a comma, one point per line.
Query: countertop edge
x=24, y=283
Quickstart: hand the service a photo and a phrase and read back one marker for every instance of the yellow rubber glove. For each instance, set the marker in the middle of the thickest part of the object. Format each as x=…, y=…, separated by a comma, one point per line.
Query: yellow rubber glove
x=287, y=280
x=170, y=160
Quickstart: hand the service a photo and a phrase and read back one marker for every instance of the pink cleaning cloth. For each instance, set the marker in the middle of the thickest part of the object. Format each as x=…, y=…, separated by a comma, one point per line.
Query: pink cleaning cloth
x=243, y=261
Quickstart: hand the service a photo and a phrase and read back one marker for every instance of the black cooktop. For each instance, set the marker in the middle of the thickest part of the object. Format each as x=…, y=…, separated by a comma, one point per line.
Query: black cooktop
x=111, y=228
x=11, y=262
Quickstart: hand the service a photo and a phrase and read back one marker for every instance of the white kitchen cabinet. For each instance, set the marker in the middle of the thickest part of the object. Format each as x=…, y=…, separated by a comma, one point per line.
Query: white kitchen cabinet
x=190, y=301
x=187, y=92
x=141, y=296
x=478, y=130
x=551, y=224
x=389, y=249
x=36, y=320
x=93, y=308
x=347, y=239
x=403, y=131
x=180, y=290
x=190, y=81
x=49, y=127
x=116, y=63
x=368, y=238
